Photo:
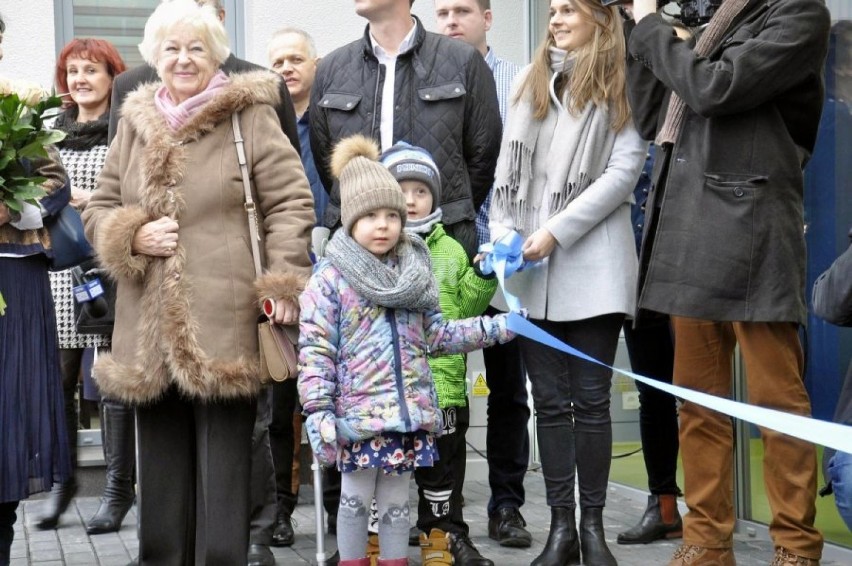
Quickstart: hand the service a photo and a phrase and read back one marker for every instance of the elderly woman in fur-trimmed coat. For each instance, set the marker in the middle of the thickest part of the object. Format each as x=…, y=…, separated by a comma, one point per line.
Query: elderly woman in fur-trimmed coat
x=168, y=222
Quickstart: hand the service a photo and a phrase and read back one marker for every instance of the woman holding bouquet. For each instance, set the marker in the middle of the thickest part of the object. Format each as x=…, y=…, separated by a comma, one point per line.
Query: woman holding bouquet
x=33, y=440
x=85, y=70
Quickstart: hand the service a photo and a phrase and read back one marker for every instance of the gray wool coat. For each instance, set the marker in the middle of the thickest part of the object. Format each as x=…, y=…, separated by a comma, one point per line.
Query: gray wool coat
x=724, y=232
x=592, y=270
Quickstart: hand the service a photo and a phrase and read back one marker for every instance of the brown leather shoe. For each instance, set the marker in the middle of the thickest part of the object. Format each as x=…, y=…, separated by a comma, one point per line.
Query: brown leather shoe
x=784, y=557
x=692, y=555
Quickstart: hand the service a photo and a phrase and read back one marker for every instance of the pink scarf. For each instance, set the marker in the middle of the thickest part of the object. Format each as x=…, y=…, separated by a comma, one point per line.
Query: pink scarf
x=177, y=115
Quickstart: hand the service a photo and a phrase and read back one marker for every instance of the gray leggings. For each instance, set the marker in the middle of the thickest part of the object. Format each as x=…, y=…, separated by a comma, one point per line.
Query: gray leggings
x=357, y=489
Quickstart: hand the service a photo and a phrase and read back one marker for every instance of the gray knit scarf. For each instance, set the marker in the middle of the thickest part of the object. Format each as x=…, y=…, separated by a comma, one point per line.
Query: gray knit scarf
x=578, y=154
x=407, y=285
x=424, y=225
x=709, y=40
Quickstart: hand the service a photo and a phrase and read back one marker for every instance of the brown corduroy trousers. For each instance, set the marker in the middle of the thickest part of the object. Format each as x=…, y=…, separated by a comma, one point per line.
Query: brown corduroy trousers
x=774, y=366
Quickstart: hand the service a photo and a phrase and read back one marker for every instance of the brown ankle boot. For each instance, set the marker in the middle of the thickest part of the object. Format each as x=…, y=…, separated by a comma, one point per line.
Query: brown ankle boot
x=692, y=555
x=373, y=548
x=661, y=519
x=435, y=549
x=784, y=557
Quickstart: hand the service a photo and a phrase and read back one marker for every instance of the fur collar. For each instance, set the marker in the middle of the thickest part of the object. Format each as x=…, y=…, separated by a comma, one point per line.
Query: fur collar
x=169, y=350
x=244, y=89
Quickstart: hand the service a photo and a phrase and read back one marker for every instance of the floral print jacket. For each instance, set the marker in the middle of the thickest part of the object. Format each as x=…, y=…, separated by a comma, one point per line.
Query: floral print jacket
x=363, y=368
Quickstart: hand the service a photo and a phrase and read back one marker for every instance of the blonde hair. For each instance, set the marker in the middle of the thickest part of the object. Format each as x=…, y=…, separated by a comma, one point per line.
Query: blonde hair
x=202, y=19
x=599, y=70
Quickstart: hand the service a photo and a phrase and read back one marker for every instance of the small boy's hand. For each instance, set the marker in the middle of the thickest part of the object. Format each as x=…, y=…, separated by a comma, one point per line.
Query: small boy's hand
x=477, y=267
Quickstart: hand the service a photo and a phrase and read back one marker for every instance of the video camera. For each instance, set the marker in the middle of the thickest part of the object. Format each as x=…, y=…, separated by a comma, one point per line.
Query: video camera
x=693, y=13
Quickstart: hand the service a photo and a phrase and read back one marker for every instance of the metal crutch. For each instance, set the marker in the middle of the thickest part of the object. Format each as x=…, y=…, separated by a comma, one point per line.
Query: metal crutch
x=319, y=239
x=320, y=512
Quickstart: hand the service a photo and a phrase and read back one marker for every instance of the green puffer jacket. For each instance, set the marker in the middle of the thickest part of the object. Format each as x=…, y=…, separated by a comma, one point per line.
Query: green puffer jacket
x=462, y=294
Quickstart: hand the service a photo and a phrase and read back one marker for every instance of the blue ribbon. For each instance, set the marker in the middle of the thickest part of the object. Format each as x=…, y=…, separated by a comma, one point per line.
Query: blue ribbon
x=505, y=258
x=829, y=434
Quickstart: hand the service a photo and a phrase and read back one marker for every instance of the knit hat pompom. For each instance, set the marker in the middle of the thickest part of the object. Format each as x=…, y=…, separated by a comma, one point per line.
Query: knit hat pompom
x=348, y=149
x=365, y=184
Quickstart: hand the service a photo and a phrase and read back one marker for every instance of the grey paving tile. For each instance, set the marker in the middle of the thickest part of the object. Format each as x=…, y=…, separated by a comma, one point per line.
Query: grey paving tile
x=624, y=507
x=80, y=559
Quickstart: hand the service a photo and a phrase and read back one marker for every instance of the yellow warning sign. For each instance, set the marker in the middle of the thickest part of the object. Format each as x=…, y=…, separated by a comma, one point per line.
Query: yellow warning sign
x=480, y=387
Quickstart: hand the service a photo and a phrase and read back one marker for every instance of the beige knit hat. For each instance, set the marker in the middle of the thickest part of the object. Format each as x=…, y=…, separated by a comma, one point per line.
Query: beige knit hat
x=365, y=184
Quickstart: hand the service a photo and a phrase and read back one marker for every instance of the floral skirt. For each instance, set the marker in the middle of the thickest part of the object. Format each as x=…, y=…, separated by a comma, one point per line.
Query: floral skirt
x=393, y=452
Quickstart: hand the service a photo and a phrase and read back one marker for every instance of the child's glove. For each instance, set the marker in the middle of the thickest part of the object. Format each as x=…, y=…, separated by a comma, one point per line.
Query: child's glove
x=322, y=433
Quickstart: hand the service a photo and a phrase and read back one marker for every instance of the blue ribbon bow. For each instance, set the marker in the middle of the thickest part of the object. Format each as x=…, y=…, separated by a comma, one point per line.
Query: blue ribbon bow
x=505, y=258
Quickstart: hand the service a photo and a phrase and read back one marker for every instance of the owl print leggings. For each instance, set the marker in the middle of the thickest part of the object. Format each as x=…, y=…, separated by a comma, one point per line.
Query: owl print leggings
x=357, y=490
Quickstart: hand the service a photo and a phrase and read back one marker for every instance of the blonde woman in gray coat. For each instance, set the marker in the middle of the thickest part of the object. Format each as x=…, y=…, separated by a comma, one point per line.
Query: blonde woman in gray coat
x=569, y=160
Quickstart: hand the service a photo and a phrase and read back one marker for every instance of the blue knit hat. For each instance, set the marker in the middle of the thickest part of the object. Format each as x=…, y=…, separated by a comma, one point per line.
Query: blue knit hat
x=406, y=161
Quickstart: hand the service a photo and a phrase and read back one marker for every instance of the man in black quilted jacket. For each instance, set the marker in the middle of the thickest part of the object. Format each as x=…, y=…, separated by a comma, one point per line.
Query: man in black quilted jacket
x=402, y=83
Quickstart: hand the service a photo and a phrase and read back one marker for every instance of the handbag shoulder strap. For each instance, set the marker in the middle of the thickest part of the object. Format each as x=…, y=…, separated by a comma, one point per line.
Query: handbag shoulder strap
x=251, y=209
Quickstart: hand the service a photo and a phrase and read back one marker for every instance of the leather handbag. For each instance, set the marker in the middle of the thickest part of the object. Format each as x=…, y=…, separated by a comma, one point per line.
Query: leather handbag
x=277, y=342
x=96, y=316
x=67, y=240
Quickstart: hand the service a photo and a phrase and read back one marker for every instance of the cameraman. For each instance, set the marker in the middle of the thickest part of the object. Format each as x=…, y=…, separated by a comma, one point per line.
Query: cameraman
x=735, y=117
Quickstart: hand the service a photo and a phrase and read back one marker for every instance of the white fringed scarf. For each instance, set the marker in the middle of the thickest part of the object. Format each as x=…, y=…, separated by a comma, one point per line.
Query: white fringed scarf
x=578, y=154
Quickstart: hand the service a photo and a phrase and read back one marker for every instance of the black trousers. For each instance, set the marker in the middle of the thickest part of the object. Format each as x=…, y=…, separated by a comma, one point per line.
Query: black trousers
x=194, y=465
x=263, y=497
x=7, y=531
x=284, y=401
x=439, y=487
x=651, y=350
x=571, y=399
x=507, y=441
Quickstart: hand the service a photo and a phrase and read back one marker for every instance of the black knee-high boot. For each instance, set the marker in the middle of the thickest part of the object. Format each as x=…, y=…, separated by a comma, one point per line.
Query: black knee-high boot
x=592, y=540
x=63, y=492
x=119, y=439
x=7, y=531
x=562, y=546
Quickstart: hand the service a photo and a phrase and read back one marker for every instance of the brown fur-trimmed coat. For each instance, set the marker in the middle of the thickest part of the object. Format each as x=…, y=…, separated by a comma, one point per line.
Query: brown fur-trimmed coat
x=190, y=320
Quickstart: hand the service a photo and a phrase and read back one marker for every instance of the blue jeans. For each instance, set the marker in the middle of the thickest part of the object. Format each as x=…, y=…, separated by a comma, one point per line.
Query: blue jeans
x=840, y=474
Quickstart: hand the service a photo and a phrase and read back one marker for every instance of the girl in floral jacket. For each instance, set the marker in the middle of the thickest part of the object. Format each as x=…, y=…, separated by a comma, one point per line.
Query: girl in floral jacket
x=369, y=318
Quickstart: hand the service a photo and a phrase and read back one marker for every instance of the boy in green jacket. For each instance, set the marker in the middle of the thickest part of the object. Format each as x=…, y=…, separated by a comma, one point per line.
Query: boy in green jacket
x=463, y=292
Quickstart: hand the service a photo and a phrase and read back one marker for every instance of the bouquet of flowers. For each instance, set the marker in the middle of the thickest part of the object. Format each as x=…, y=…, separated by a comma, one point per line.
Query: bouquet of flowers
x=23, y=136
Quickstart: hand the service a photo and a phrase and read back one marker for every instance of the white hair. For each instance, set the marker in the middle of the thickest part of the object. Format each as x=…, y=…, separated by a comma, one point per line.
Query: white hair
x=312, y=47
x=201, y=19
